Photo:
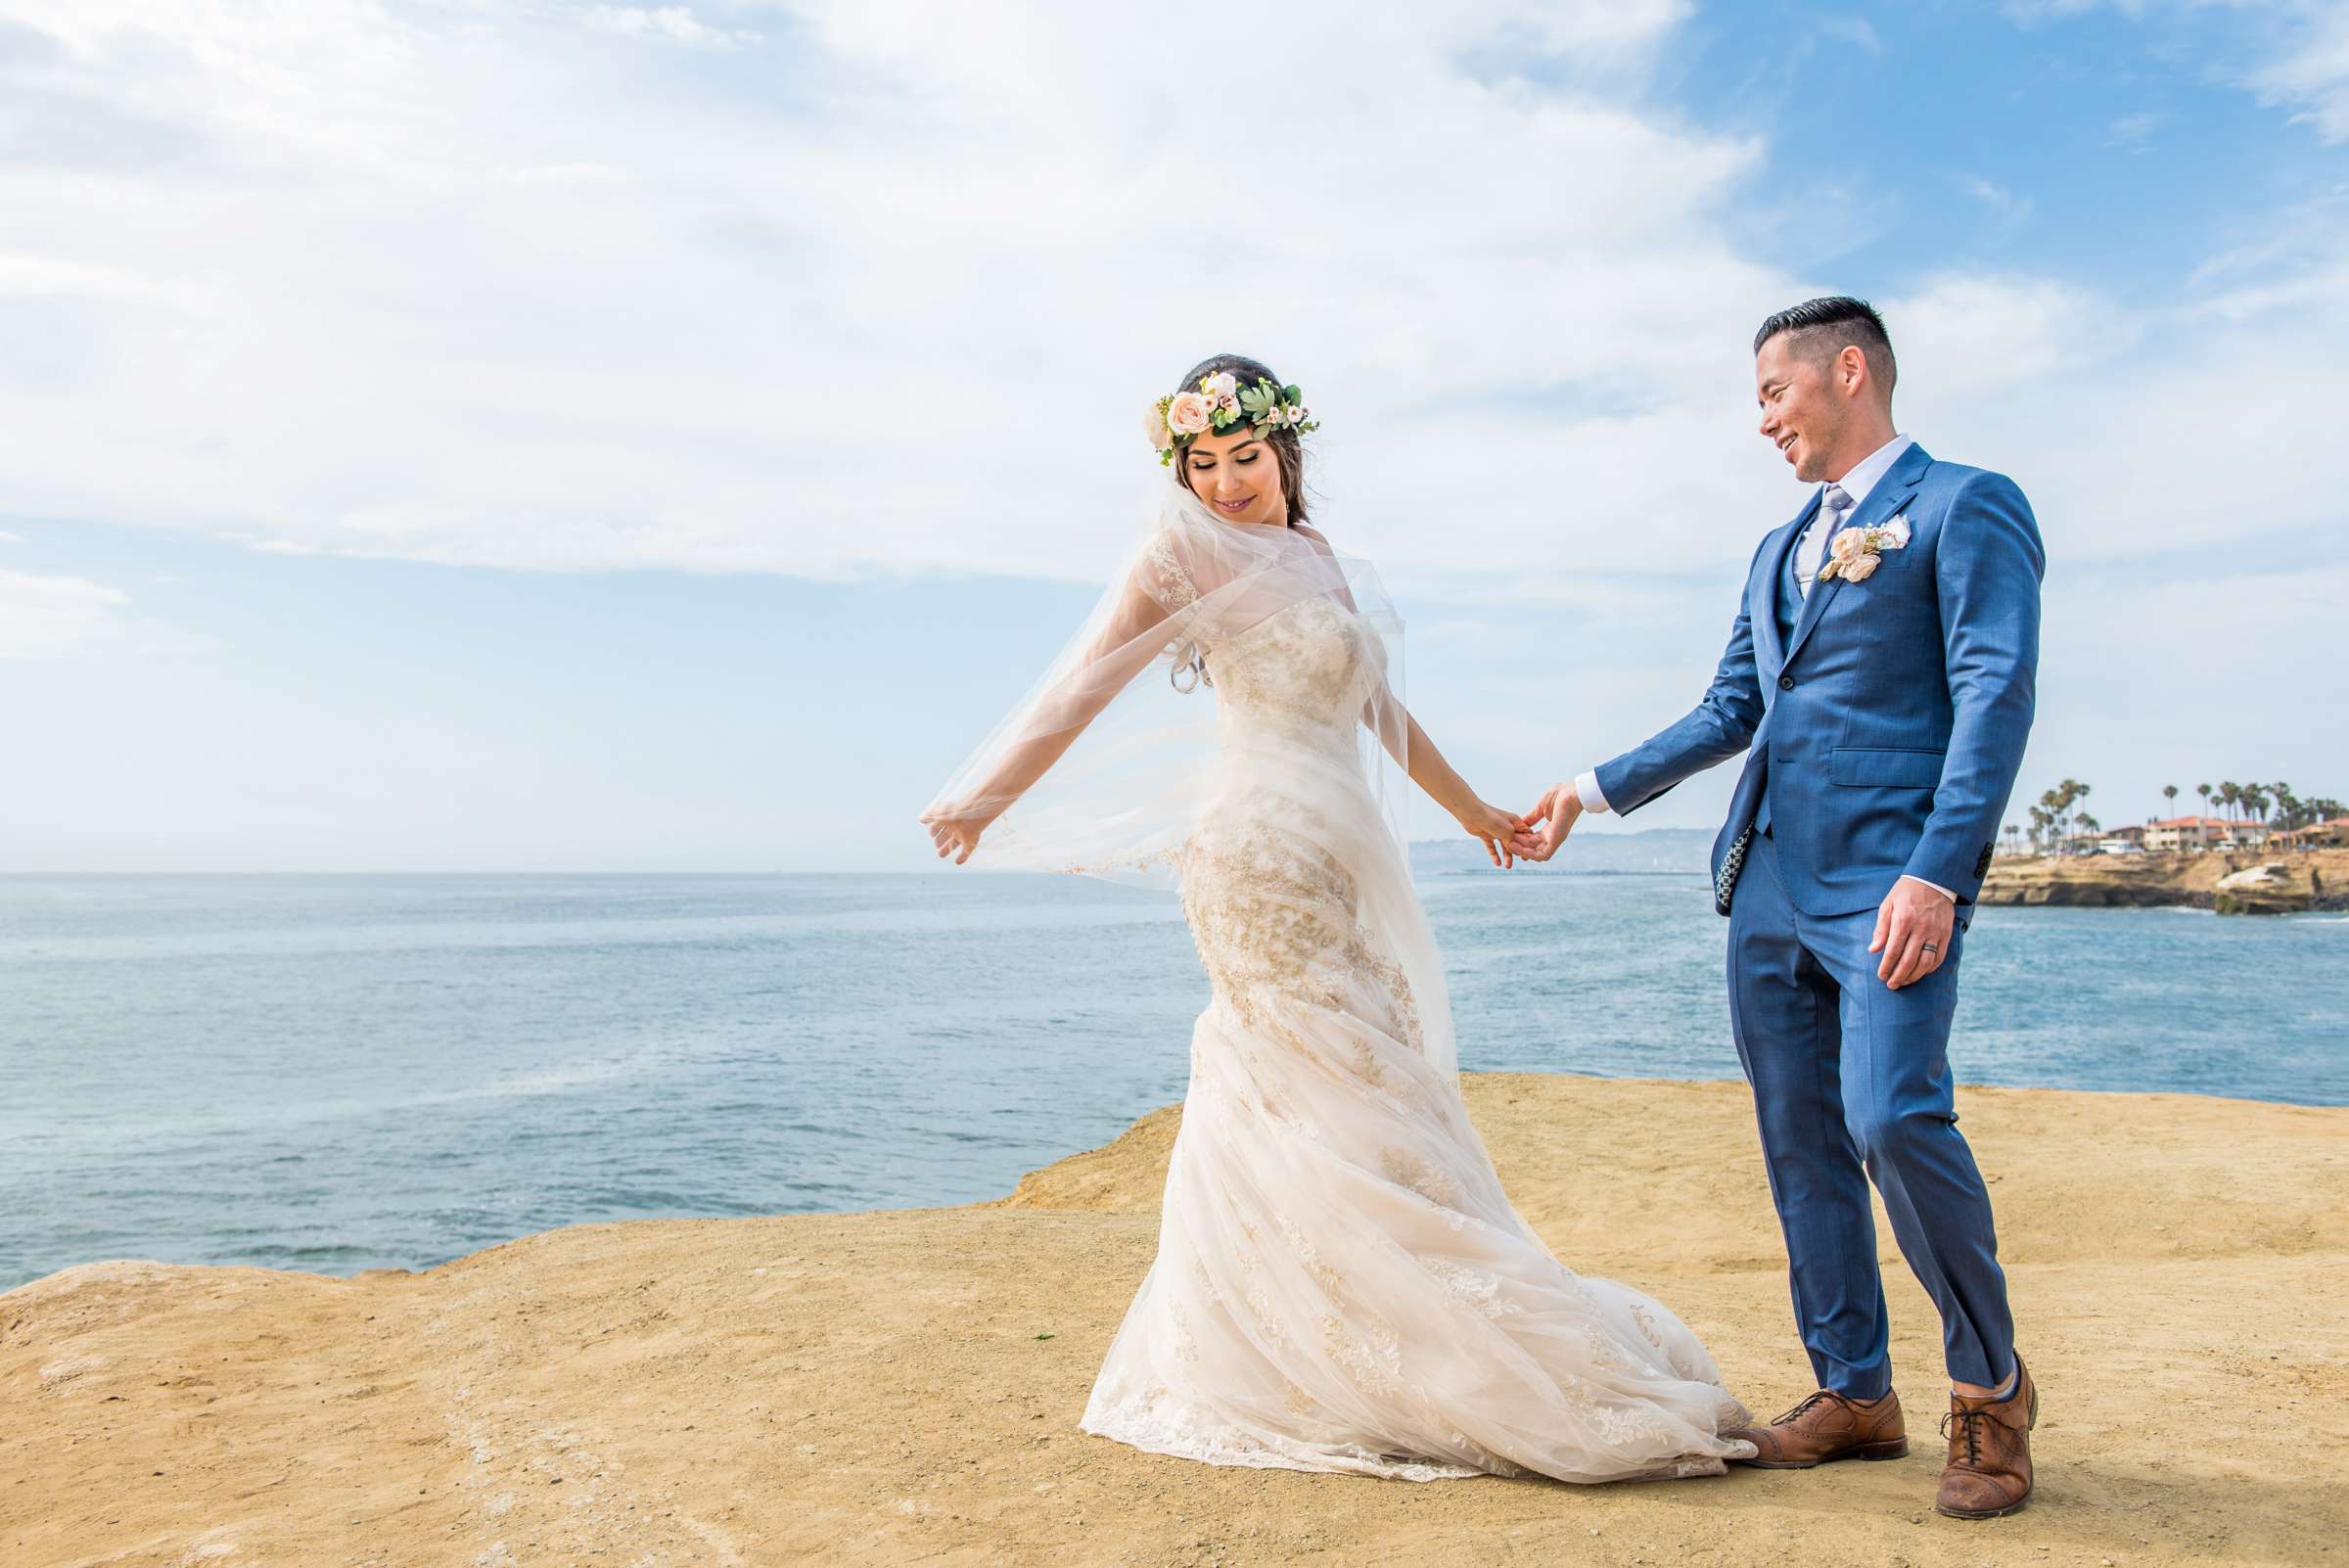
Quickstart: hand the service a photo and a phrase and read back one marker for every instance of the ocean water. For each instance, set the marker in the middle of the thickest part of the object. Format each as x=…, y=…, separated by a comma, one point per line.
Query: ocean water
x=340, y=1073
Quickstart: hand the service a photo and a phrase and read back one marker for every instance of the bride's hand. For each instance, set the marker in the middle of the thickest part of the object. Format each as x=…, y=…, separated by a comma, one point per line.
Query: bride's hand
x=1506, y=838
x=955, y=830
x=1557, y=810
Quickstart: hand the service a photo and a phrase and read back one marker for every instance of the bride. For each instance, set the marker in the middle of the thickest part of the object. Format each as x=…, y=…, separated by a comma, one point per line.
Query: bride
x=1341, y=1283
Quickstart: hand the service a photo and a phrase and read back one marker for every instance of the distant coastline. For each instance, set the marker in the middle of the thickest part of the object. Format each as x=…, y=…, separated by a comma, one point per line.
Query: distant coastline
x=2247, y=881
x=2229, y=882
x=1655, y=852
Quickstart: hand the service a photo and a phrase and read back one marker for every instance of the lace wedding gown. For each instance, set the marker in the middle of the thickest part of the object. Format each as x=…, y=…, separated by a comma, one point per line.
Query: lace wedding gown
x=1341, y=1283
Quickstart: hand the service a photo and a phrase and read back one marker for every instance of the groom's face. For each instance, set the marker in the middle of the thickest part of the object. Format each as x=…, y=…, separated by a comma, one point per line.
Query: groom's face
x=1803, y=415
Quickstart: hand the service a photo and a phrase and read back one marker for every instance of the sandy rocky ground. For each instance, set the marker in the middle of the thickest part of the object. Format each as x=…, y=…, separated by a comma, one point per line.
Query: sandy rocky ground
x=902, y=1388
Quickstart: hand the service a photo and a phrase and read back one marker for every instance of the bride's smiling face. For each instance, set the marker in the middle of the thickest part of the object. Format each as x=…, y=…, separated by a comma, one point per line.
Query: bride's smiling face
x=1237, y=476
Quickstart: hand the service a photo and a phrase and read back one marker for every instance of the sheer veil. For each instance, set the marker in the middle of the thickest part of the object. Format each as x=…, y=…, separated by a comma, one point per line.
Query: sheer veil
x=1101, y=768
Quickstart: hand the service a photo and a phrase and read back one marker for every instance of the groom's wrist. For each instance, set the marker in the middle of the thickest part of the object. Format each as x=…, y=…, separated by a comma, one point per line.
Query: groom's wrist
x=1587, y=791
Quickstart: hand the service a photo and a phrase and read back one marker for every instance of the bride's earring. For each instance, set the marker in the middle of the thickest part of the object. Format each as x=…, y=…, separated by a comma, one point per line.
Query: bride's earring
x=1195, y=667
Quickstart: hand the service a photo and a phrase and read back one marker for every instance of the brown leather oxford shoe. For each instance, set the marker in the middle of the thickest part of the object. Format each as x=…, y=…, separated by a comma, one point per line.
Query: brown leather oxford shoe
x=1989, y=1473
x=1825, y=1427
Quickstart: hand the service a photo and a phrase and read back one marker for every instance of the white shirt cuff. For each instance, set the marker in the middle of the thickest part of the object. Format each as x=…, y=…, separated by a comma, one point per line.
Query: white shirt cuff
x=1935, y=885
x=1585, y=786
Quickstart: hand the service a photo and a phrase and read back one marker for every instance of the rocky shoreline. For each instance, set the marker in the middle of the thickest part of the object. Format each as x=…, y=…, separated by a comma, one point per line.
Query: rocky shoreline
x=2242, y=882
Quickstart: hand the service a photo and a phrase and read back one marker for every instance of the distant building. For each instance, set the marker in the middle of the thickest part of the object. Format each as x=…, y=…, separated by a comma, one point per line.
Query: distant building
x=2331, y=834
x=2186, y=833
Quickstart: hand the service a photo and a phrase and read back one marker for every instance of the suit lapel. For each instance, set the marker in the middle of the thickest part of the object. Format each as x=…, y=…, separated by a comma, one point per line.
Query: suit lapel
x=1773, y=562
x=1891, y=493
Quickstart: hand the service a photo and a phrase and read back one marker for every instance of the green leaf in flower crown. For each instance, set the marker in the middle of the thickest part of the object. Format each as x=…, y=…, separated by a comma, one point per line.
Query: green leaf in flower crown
x=1290, y=394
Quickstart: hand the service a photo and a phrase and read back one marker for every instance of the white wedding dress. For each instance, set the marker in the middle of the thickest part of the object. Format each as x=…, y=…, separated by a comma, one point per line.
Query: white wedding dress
x=1341, y=1283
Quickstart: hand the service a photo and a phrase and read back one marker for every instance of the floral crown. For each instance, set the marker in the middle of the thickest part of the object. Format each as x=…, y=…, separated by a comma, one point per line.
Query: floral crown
x=1219, y=404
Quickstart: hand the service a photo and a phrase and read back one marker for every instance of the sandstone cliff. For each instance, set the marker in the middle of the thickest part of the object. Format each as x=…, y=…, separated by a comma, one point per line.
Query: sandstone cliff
x=2306, y=879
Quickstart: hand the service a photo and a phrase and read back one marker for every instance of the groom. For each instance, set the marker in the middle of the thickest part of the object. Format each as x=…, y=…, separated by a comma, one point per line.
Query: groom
x=1880, y=673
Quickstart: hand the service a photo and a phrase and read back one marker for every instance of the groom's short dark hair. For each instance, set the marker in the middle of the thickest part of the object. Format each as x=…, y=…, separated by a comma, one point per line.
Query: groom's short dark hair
x=1826, y=327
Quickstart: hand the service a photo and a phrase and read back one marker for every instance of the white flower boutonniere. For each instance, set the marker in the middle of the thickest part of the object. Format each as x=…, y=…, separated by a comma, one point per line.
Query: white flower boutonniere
x=1854, y=554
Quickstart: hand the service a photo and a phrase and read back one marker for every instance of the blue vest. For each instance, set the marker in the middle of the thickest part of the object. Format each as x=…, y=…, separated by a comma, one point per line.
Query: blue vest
x=1789, y=610
x=1790, y=594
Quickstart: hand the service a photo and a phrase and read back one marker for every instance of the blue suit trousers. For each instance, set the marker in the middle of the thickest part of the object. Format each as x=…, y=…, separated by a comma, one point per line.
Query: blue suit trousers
x=1852, y=1084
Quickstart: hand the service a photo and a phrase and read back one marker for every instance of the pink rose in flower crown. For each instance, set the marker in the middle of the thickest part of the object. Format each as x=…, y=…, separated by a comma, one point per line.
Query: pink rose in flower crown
x=1154, y=424
x=1190, y=414
x=1222, y=393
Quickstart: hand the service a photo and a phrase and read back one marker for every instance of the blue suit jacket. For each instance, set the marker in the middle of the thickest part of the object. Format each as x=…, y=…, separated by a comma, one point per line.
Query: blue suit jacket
x=1887, y=729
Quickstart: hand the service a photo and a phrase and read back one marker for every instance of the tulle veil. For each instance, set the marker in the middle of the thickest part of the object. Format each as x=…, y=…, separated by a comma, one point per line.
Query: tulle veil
x=1101, y=768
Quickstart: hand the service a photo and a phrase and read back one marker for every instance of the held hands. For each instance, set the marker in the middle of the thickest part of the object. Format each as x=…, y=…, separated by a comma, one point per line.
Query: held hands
x=1912, y=932
x=1506, y=839
x=1558, y=806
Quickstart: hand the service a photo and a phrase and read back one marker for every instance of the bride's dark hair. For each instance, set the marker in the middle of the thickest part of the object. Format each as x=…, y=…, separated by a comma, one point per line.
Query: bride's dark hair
x=1288, y=449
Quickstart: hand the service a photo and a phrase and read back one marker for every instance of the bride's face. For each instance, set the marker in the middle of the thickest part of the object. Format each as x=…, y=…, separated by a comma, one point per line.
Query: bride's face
x=1237, y=476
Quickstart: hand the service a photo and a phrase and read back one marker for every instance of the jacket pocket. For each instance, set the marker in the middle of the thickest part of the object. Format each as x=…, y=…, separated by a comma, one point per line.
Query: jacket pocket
x=1885, y=766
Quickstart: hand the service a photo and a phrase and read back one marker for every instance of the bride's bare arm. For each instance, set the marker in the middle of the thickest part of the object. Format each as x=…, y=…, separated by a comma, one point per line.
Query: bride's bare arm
x=1506, y=836
x=1114, y=657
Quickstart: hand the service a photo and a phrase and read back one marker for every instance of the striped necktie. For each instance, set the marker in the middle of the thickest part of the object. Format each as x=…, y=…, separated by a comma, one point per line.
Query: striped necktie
x=1834, y=506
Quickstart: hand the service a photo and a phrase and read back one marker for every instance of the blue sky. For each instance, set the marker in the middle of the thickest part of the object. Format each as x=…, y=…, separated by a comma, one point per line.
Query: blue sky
x=522, y=435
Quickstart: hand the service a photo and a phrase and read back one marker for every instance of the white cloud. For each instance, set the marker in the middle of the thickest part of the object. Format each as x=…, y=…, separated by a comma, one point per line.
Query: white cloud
x=2005, y=207
x=1975, y=334
x=472, y=287
x=58, y=618
x=677, y=23
x=2132, y=131
x=2311, y=72
x=486, y=286
x=1857, y=31
x=2291, y=53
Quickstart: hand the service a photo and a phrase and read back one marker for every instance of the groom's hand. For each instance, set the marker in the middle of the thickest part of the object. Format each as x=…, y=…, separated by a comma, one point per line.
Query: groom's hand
x=1912, y=932
x=1554, y=815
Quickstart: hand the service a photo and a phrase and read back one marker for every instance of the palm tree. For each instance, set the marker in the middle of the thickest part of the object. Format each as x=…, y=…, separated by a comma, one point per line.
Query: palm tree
x=2229, y=794
x=2205, y=791
x=2289, y=813
x=2058, y=802
x=2255, y=805
x=2068, y=794
x=2169, y=794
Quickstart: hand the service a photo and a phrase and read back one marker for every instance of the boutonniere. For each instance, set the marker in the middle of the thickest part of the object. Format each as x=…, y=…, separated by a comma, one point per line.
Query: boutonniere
x=1854, y=553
